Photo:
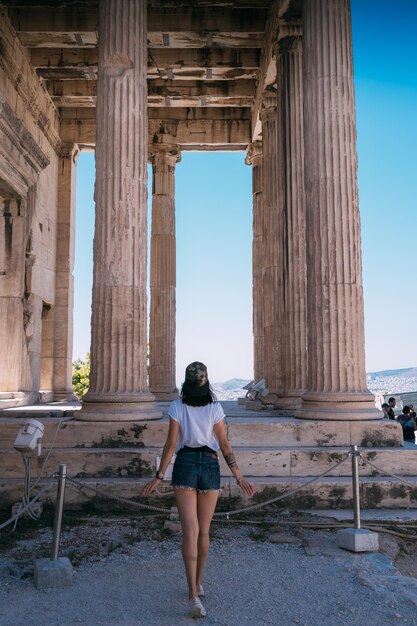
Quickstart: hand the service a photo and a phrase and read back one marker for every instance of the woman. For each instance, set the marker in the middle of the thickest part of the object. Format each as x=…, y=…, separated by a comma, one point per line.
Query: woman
x=196, y=432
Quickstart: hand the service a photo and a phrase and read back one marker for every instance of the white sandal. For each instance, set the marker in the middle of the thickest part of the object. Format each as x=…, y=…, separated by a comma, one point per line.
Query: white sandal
x=196, y=608
x=200, y=591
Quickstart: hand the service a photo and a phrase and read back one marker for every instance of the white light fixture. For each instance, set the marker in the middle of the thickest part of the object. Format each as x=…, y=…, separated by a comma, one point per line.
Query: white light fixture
x=29, y=436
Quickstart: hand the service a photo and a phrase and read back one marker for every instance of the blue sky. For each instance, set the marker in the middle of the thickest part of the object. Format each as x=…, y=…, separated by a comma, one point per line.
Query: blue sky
x=214, y=217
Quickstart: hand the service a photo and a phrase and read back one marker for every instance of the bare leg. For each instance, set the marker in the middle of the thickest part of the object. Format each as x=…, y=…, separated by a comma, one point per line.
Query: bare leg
x=186, y=500
x=206, y=503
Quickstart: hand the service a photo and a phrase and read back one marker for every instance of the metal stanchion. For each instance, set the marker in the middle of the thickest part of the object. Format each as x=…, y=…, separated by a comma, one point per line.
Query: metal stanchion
x=55, y=572
x=59, y=507
x=355, y=488
x=357, y=539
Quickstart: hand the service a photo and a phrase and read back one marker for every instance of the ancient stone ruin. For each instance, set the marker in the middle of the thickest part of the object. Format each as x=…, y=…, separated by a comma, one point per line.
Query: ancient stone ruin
x=142, y=82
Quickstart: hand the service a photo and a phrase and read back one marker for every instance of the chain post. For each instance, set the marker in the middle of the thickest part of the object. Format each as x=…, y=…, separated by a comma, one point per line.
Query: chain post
x=355, y=488
x=59, y=505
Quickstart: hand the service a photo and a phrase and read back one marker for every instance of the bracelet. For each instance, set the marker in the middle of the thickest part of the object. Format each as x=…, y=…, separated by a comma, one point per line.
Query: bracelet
x=238, y=480
x=158, y=477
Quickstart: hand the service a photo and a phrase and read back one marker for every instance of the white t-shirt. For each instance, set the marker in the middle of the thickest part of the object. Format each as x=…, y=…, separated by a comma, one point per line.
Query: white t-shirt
x=196, y=423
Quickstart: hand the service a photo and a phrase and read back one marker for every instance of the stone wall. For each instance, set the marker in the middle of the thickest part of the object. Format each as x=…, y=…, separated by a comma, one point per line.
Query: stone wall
x=29, y=162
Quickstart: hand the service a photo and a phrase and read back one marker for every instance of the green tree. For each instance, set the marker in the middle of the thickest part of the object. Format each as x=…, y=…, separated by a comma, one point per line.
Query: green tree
x=81, y=376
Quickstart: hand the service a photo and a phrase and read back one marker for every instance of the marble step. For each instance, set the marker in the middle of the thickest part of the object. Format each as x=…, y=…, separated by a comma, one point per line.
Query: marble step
x=13, y=399
x=326, y=493
x=278, y=461
x=242, y=431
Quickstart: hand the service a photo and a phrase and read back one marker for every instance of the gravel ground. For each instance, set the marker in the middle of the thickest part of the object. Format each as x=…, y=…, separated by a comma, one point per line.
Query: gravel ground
x=254, y=576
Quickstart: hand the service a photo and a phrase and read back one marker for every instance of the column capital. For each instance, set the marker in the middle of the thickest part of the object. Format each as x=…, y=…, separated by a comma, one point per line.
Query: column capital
x=69, y=149
x=269, y=104
x=164, y=150
x=254, y=153
x=289, y=30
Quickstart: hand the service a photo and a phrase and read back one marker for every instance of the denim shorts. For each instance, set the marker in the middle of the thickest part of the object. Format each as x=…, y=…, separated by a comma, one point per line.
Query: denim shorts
x=196, y=469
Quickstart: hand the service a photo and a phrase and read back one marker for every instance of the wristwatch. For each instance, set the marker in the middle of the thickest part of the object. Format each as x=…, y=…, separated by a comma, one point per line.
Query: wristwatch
x=158, y=475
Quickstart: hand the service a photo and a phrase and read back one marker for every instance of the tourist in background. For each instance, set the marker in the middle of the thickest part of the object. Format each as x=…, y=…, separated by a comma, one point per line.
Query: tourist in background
x=390, y=412
x=408, y=423
x=385, y=408
x=196, y=432
x=412, y=411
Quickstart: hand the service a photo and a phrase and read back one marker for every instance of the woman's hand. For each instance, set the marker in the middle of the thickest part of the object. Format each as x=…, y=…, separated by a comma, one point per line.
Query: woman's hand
x=151, y=486
x=246, y=487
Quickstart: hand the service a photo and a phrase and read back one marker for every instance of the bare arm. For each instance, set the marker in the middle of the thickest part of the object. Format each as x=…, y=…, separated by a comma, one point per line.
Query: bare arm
x=229, y=457
x=170, y=445
x=167, y=452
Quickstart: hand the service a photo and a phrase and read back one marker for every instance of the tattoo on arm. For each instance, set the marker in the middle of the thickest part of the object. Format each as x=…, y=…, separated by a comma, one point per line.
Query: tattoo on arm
x=231, y=460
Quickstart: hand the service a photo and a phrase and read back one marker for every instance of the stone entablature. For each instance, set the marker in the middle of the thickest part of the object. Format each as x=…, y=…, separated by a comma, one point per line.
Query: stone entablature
x=33, y=106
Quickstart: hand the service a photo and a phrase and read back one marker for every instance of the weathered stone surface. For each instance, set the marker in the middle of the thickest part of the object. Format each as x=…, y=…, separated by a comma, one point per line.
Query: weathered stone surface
x=294, y=296
x=272, y=247
x=64, y=289
x=242, y=432
x=119, y=316
x=254, y=158
x=336, y=360
x=254, y=461
x=329, y=492
x=164, y=156
x=208, y=114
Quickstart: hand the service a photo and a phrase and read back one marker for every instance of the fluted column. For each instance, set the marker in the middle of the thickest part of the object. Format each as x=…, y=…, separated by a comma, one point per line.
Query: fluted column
x=294, y=329
x=336, y=388
x=64, y=282
x=272, y=247
x=254, y=158
x=118, y=382
x=164, y=156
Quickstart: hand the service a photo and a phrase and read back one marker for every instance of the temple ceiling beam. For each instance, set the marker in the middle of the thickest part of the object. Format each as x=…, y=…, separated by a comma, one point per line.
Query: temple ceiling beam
x=79, y=93
x=181, y=64
x=209, y=134
x=223, y=26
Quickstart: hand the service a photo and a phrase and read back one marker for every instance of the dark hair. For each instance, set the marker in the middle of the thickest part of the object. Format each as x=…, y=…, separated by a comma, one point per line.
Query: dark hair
x=389, y=399
x=192, y=400
x=385, y=405
x=406, y=410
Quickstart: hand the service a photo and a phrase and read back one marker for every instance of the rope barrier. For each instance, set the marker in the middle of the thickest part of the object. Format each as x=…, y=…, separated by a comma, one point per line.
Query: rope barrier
x=79, y=485
x=260, y=505
x=99, y=491
x=385, y=473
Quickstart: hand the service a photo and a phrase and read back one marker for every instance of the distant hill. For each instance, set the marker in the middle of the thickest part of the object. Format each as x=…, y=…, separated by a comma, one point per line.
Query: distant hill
x=402, y=373
x=382, y=382
x=233, y=383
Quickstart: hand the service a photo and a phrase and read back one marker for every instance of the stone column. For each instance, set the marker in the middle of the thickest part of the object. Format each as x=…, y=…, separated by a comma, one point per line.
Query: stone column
x=254, y=158
x=118, y=381
x=272, y=247
x=294, y=329
x=336, y=388
x=12, y=287
x=164, y=156
x=64, y=282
